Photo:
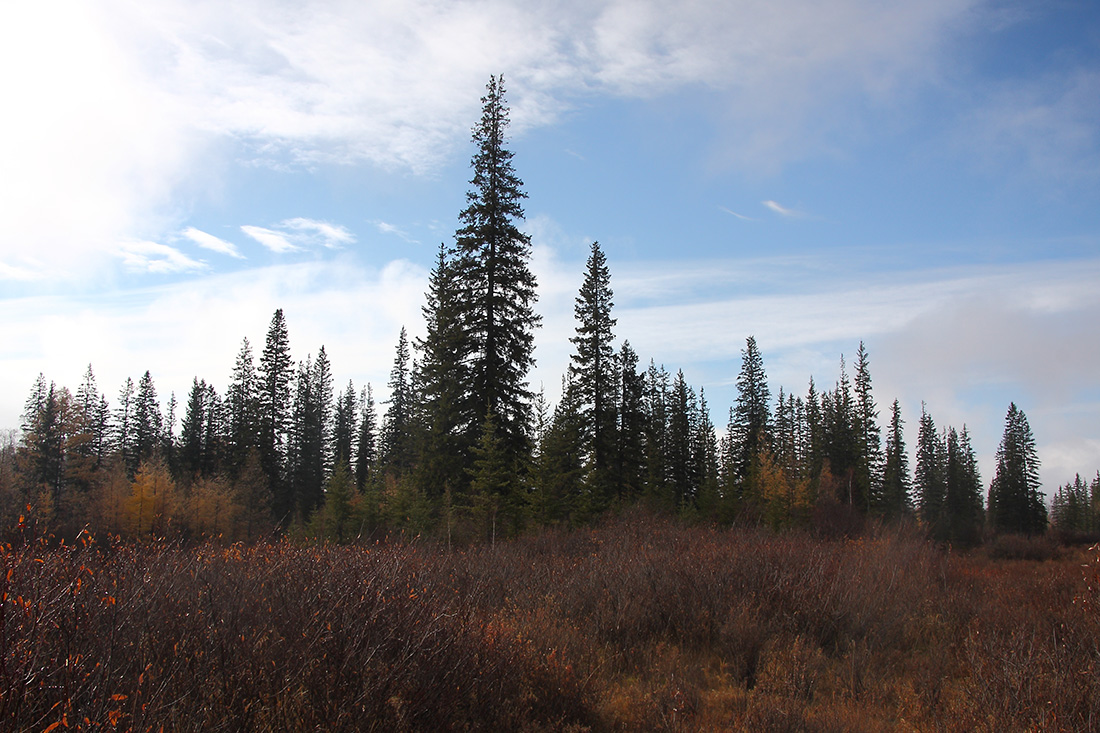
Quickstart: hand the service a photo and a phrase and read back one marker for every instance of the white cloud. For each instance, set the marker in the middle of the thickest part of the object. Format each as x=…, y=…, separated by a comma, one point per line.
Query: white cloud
x=156, y=259
x=322, y=233
x=297, y=234
x=212, y=243
x=132, y=100
x=387, y=228
x=783, y=210
x=277, y=242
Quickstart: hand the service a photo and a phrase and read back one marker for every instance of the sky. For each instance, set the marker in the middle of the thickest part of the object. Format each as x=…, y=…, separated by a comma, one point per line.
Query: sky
x=921, y=177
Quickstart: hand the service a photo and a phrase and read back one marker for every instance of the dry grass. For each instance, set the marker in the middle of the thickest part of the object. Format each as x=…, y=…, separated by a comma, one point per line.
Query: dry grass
x=643, y=624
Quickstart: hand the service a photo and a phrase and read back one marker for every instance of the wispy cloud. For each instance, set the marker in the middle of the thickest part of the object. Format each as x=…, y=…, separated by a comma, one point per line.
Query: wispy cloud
x=157, y=259
x=318, y=233
x=387, y=228
x=783, y=210
x=739, y=216
x=298, y=234
x=212, y=243
x=277, y=242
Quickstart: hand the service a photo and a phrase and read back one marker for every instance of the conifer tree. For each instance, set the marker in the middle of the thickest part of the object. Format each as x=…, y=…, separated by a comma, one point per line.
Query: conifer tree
x=193, y=433
x=681, y=465
x=630, y=452
x=44, y=438
x=750, y=419
x=895, y=501
x=88, y=445
x=276, y=374
x=495, y=490
x=397, y=423
x=656, y=432
x=495, y=285
x=963, y=497
x=867, y=480
x=442, y=383
x=930, y=481
x=558, y=493
x=595, y=374
x=148, y=421
x=841, y=439
x=242, y=411
x=344, y=427
x=366, y=451
x=122, y=428
x=1015, y=501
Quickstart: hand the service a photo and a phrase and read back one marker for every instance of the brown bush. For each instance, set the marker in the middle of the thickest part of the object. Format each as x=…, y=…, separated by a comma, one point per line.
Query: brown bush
x=642, y=624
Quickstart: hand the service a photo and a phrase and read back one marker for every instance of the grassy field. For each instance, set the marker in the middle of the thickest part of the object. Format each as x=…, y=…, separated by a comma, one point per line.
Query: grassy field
x=642, y=624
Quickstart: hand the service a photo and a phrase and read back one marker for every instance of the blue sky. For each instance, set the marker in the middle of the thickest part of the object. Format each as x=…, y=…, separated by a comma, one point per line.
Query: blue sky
x=924, y=177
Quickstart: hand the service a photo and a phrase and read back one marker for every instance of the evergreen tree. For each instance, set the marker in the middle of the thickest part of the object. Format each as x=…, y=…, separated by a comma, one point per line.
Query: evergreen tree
x=813, y=450
x=397, y=423
x=242, y=411
x=630, y=452
x=344, y=427
x=1015, y=500
x=443, y=381
x=930, y=481
x=681, y=465
x=44, y=438
x=89, y=442
x=656, y=433
x=595, y=375
x=122, y=429
x=867, y=485
x=309, y=460
x=276, y=373
x=841, y=440
x=366, y=450
x=750, y=419
x=558, y=494
x=497, y=496
x=705, y=457
x=193, y=433
x=494, y=283
x=895, y=501
x=148, y=422
x=963, y=497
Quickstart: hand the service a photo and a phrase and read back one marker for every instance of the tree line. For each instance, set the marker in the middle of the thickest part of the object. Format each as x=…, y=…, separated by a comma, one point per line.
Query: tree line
x=464, y=448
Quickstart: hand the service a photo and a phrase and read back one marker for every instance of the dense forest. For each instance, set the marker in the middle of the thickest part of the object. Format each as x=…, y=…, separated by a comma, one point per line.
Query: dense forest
x=464, y=450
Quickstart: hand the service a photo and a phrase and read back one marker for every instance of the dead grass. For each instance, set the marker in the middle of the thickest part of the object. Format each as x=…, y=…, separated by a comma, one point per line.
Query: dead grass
x=642, y=624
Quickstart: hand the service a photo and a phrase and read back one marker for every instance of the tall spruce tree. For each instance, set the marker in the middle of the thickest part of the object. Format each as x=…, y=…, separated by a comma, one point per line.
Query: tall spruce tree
x=929, y=479
x=750, y=419
x=276, y=375
x=148, y=421
x=895, y=500
x=343, y=428
x=366, y=447
x=963, y=497
x=867, y=484
x=1015, y=500
x=495, y=284
x=442, y=381
x=397, y=423
x=242, y=411
x=595, y=375
x=630, y=451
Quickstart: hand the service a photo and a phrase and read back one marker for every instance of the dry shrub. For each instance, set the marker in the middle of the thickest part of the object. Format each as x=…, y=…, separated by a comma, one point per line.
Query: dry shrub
x=641, y=624
x=1023, y=547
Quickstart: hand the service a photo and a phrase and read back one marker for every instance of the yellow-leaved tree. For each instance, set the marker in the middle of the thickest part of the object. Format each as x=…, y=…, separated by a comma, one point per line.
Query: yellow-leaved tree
x=153, y=500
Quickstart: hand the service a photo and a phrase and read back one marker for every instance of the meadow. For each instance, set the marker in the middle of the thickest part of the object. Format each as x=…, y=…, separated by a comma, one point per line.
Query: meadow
x=642, y=623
